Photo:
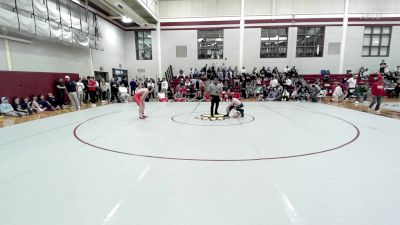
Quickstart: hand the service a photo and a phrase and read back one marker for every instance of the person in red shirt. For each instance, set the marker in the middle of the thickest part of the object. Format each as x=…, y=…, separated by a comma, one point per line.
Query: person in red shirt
x=92, y=90
x=377, y=92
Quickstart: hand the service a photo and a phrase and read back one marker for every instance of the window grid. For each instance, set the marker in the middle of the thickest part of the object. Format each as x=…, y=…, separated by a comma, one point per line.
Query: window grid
x=310, y=41
x=210, y=44
x=376, y=41
x=274, y=42
x=143, y=45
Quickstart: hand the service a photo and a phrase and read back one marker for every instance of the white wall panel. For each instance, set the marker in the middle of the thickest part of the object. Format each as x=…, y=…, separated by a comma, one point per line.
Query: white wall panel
x=258, y=7
x=45, y=56
x=114, y=47
x=353, y=59
x=305, y=65
x=3, y=61
x=199, y=8
x=363, y=6
x=171, y=39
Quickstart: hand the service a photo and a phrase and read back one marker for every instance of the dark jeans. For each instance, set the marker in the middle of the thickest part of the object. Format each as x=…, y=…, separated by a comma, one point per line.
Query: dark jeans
x=214, y=101
x=92, y=96
x=377, y=100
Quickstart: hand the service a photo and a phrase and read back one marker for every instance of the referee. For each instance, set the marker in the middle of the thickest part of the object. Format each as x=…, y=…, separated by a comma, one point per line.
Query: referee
x=215, y=90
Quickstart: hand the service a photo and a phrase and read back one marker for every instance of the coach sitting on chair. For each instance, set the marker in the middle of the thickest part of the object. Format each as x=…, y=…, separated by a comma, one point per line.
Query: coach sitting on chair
x=215, y=90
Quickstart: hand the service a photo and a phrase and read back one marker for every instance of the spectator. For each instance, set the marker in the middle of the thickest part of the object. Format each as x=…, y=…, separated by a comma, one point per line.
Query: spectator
x=397, y=90
x=123, y=93
x=133, y=86
x=51, y=99
x=70, y=87
x=85, y=82
x=80, y=87
x=352, y=82
x=164, y=86
x=365, y=74
x=382, y=66
x=18, y=108
x=337, y=94
x=7, y=109
x=60, y=93
x=92, y=90
x=377, y=91
x=103, y=89
x=26, y=105
x=35, y=105
x=45, y=104
x=114, y=90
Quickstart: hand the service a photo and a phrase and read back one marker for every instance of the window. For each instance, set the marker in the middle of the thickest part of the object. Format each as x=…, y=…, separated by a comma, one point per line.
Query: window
x=210, y=44
x=310, y=41
x=143, y=45
x=274, y=42
x=376, y=41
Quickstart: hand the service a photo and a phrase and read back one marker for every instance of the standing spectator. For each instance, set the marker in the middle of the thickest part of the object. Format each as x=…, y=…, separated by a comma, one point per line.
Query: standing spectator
x=151, y=87
x=60, y=93
x=382, y=66
x=114, y=90
x=92, y=90
x=215, y=90
x=133, y=86
x=397, y=90
x=80, y=88
x=103, y=89
x=164, y=86
x=377, y=91
x=352, y=82
x=70, y=87
x=85, y=82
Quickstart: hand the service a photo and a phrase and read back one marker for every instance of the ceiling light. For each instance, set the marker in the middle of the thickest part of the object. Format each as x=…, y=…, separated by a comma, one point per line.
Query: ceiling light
x=126, y=19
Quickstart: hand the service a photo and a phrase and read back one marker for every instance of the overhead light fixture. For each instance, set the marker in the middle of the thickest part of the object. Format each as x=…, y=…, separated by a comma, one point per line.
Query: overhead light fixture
x=126, y=19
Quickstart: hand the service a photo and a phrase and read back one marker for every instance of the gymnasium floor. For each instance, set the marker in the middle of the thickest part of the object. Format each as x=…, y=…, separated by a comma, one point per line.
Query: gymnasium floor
x=283, y=163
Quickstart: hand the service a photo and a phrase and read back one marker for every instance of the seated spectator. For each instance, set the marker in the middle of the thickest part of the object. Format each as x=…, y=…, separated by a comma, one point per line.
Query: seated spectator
x=272, y=95
x=397, y=90
x=303, y=94
x=360, y=93
x=18, y=108
x=315, y=90
x=35, y=105
x=199, y=95
x=7, y=109
x=123, y=95
x=26, y=105
x=322, y=94
x=178, y=97
x=52, y=100
x=45, y=104
x=162, y=97
x=365, y=74
x=338, y=94
x=285, y=95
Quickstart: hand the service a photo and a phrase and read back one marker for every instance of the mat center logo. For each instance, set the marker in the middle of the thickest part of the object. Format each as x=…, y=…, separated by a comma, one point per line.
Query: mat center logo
x=210, y=118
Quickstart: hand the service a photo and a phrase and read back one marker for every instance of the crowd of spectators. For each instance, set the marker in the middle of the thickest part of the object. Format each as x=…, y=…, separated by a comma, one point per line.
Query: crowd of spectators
x=263, y=84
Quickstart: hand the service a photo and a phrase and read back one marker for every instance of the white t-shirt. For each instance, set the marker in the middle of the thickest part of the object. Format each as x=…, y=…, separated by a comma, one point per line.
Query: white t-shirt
x=274, y=83
x=80, y=86
x=164, y=85
x=288, y=82
x=337, y=92
x=123, y=90
x=352, y=82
